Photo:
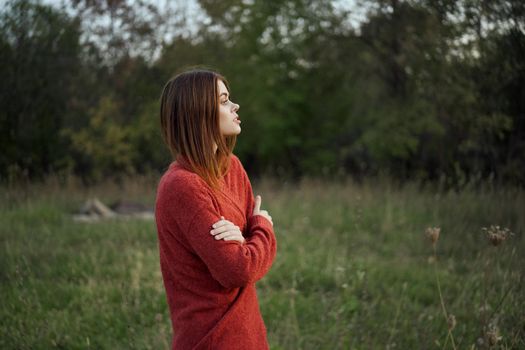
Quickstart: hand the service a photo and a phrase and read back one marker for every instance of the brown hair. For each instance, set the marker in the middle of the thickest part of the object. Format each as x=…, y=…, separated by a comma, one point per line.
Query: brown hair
x=189, y=117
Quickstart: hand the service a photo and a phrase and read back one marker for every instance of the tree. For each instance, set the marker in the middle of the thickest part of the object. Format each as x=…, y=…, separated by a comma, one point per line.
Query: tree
x=38, y=61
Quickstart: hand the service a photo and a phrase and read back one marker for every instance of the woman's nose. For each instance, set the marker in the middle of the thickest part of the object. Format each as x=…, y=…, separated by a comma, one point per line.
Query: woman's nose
x=236, y=107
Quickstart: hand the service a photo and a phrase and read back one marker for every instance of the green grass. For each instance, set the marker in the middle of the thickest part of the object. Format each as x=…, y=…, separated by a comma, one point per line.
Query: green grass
x=353, y=271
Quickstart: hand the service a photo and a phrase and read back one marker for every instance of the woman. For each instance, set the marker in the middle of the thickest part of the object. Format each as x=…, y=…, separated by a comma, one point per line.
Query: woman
x=215, y=242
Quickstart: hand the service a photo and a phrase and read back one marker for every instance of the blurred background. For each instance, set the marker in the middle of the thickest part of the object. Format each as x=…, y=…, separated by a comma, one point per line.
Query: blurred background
x=417, y=90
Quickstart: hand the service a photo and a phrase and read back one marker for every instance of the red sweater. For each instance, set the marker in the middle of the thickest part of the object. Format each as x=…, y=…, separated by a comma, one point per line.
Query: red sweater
x=210, y=284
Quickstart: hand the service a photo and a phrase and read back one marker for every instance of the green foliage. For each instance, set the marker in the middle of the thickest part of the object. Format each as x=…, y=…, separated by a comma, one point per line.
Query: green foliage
x=38, y=60
x=105, y=144
x=149, y=151
x=420, y=90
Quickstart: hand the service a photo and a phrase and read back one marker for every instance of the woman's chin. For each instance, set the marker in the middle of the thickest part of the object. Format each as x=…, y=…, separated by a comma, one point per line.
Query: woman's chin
x=234, y=132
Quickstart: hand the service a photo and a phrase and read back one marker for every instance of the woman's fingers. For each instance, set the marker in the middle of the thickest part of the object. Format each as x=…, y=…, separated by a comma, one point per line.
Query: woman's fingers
x=239, y=239
x=227, y=227
x=257, y=206
x=226, y=230
x=221, y=222
x=265, y=214
x=230, y=235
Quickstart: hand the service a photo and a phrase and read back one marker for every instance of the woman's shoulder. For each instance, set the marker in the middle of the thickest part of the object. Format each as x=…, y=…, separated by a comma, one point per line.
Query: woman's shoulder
x=235, y=158
x=236, y=164
x=180, y=182
x=180, y=196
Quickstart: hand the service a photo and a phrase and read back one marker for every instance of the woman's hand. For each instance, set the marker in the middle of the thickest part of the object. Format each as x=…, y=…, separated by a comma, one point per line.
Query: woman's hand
x=226, y=230
x=257, y=209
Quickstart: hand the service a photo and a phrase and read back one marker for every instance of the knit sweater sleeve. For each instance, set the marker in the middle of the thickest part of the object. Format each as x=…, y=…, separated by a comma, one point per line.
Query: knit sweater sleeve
x=231, y=263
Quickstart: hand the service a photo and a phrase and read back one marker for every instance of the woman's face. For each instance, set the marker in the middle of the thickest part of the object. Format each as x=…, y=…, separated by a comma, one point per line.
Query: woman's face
x=229, y=121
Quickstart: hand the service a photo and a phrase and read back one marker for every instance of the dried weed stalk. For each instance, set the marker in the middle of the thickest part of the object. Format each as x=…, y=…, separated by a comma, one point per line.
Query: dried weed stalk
x=432, y=234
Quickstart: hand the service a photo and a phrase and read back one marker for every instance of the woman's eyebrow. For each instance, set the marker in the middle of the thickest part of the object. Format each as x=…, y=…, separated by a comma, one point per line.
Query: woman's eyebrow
x=225, y=94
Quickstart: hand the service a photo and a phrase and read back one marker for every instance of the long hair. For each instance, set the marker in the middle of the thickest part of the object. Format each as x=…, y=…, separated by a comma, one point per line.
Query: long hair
x=189, y=117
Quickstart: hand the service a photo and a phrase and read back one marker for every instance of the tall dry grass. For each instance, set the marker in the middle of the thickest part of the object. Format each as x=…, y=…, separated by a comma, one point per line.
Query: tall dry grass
x=353, y=271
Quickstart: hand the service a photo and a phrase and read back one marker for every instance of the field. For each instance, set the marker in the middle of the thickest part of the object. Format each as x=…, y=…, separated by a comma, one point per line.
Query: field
x=355, y=269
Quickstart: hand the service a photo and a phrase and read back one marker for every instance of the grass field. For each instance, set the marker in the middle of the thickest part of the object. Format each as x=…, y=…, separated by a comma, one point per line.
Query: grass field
x=354, y=269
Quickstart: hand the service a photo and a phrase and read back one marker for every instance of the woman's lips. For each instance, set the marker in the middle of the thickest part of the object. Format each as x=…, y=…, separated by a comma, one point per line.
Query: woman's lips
x=237, y=120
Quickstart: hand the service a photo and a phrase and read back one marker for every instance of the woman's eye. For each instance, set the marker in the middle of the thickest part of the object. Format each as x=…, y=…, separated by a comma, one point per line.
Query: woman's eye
x=225, y=102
